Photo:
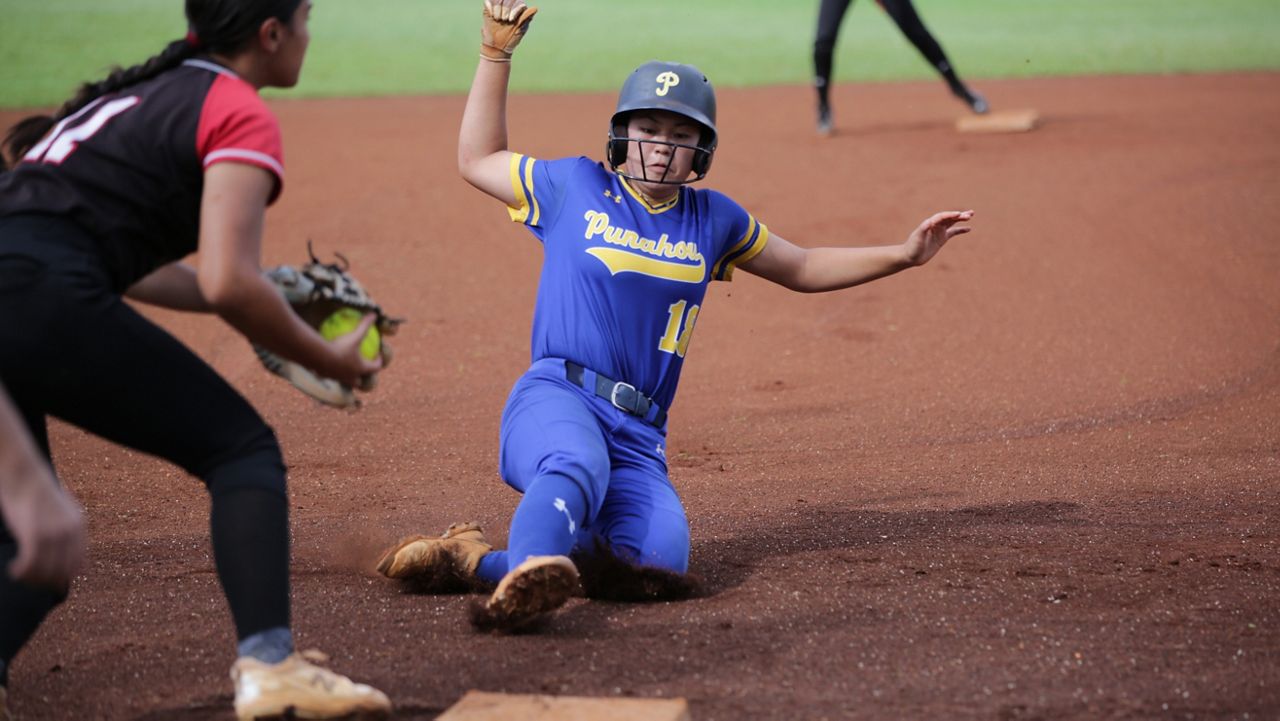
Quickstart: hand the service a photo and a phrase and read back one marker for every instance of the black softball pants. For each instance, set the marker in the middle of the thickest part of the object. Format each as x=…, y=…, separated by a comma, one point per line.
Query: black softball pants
x=70, y=347
x=831, y=14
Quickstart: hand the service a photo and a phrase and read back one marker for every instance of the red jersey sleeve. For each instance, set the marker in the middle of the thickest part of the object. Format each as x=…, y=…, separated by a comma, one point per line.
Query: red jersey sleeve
x=236, y=126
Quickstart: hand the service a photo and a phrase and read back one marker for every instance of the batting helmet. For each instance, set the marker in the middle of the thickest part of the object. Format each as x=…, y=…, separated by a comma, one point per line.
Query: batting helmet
x=675, y=87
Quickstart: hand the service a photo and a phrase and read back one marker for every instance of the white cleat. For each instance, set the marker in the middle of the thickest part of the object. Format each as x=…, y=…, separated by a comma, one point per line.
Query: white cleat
x=295, y=688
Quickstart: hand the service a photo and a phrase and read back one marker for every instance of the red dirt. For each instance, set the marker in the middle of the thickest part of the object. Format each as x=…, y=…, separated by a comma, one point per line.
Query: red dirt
x=1036, y=479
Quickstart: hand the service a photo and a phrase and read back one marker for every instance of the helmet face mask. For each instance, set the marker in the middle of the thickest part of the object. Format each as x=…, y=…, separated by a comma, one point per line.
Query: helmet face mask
x=672, y=87
x=620, y=145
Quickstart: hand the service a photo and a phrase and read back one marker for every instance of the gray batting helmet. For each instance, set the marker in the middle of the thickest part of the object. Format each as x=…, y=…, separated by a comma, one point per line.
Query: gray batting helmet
x=676, y=87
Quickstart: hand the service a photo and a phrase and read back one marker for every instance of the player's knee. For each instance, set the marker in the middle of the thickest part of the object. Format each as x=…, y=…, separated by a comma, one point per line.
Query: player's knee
x=588, y=473
x=672, y=554
x=668, y=551
x=255, y=463
x=668, y=557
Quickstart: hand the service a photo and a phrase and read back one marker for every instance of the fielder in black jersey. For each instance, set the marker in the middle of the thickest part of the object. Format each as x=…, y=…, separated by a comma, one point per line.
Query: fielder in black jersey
x=831, y=14
x=104, y=199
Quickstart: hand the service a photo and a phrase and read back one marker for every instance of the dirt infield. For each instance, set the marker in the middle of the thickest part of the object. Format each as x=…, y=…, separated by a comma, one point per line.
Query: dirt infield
x=1036, y=479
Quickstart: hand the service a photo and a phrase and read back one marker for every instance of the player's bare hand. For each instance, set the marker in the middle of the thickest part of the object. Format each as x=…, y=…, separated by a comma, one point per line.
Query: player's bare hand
x=505, y=23
x=929, y=237
x=50, y=530
x=351, y=365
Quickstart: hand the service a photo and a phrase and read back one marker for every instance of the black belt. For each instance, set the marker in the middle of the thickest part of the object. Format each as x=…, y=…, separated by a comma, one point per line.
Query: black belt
x=623, y=396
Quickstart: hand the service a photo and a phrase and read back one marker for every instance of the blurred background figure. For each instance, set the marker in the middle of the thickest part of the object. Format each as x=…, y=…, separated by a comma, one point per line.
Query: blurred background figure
x=830, y=15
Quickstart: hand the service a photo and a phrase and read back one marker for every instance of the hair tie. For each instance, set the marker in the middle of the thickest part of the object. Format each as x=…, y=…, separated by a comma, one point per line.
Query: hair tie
x=192, y=39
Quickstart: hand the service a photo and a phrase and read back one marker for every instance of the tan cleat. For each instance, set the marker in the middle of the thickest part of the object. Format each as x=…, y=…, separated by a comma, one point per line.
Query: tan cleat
x=528, y=593
x=295, y=688
x=4, y=705
x=456, y=553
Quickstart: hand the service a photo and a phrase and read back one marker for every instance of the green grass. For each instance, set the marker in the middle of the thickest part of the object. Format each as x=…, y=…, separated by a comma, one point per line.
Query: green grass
x=381, y=47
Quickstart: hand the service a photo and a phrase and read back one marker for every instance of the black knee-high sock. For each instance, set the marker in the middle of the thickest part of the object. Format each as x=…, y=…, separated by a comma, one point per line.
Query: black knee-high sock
x=250, y=529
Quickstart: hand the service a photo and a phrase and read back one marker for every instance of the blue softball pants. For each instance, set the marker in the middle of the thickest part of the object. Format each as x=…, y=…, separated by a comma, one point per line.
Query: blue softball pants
x=589, y=472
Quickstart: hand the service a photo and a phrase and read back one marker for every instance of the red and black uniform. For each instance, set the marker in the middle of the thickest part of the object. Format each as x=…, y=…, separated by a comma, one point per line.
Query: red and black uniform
x=129, y=168
x=112, y=193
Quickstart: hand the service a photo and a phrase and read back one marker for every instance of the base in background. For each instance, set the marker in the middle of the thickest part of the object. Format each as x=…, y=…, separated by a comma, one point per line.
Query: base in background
x=1003, y=121
x=484, y=706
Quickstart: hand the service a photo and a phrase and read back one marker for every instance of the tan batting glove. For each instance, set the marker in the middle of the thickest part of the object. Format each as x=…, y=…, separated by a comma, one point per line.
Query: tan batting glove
x=505, y=23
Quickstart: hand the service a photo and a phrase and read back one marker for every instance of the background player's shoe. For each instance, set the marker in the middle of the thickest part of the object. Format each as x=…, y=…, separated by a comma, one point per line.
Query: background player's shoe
x=973, y=99
x=4, y=705
x=528, y=593
x=295, y=688
x=824, y=119
x=453, y=555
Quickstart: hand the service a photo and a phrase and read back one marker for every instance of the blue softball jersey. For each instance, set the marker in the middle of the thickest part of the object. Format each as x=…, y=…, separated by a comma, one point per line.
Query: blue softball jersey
x=623, y=280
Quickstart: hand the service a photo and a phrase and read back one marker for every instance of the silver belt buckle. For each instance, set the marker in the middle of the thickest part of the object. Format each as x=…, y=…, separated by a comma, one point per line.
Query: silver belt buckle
x=635, y=397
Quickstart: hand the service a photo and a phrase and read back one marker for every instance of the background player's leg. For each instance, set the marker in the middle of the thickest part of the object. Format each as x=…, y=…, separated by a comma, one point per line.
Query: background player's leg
x=908, y=21
x=830, y=15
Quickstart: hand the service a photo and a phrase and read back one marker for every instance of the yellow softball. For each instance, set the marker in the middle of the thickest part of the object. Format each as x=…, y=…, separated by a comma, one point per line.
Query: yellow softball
x=346, y=321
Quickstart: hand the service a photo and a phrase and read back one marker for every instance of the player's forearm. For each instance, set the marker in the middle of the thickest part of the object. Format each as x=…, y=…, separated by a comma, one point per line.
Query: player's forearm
x=172, y=286
x=826, y=269
x=484, y=120
x=257, y=310
x=22, y=471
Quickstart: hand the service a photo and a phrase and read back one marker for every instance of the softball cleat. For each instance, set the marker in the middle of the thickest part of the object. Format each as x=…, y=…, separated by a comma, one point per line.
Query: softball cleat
x=825, y=126
x=976, y=102
x=298, y=689
x=528, y=593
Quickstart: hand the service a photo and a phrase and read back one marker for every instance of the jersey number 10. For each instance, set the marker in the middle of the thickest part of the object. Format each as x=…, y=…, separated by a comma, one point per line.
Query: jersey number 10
x=676, y=340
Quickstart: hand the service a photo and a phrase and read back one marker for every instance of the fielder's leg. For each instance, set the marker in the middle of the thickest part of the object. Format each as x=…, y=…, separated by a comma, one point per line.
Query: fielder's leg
x=179, y=408
x=22, y=608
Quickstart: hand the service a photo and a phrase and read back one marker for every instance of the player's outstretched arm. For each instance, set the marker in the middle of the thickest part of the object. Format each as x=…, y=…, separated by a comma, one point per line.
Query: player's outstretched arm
x=815, y=270
x=483, y=157
x=232, y=214
x=46, y=523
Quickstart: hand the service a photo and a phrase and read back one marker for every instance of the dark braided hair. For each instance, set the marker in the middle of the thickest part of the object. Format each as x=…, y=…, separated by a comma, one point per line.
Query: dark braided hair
x=217, y=26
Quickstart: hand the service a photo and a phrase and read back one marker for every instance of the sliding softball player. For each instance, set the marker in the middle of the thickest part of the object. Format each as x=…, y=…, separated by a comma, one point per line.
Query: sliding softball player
x=629, y=250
